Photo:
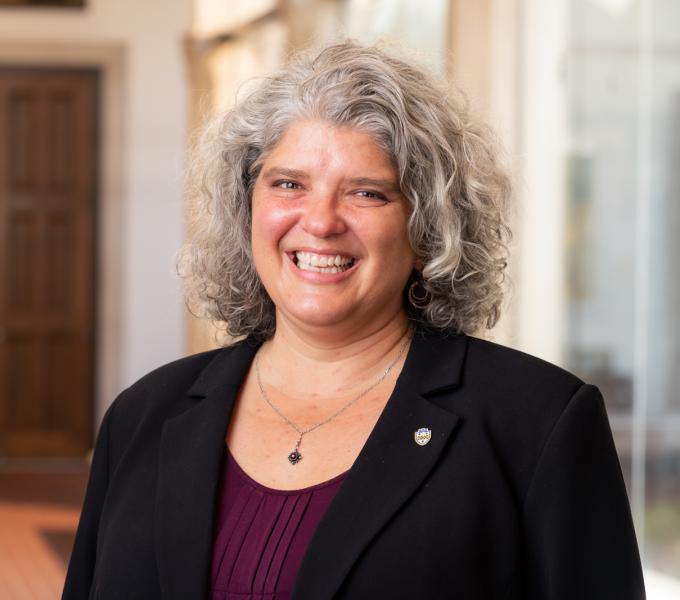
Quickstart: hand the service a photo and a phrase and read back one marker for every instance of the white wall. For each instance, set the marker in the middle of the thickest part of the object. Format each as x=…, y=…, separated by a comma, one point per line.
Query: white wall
x=540, y=293
x=141, y=313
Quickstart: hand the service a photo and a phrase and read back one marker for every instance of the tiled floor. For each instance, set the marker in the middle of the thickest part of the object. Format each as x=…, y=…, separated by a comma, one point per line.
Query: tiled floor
x=39, y=508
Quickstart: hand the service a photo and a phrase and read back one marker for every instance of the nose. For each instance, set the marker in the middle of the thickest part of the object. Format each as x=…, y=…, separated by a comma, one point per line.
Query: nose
x=322, y=218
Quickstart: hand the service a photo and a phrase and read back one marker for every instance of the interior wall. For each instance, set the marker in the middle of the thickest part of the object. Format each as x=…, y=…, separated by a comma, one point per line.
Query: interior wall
x=144, y=124
x=483, y=62
x=542, y=123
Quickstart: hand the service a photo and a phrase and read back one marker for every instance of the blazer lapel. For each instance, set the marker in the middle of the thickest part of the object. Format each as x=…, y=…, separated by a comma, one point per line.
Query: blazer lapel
x=191, y=451
x=390, y=467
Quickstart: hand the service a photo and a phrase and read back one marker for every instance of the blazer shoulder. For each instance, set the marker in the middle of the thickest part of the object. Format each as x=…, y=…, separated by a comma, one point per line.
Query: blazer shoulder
x=516, y=370
x=165, y=390
x=516, y=401
x=514, y=392
x=180, y=372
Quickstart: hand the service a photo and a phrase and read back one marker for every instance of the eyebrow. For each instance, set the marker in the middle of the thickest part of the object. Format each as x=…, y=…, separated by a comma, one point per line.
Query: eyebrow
x=298, y=174
x=283, y=172
x=368, y=181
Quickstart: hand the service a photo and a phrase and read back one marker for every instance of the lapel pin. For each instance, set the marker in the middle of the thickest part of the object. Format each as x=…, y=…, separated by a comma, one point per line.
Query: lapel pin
x=422, y=436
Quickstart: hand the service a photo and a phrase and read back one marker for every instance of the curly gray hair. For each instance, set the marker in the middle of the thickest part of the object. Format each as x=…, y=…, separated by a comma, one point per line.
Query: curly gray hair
x=448, y=169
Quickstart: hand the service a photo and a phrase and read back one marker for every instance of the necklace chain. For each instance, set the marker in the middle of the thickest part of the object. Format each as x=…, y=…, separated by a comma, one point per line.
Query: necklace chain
x=294, y=457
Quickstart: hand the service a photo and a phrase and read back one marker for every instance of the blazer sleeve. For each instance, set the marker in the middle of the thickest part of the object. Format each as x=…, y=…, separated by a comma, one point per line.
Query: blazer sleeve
x=579, y=529
x=83, y=556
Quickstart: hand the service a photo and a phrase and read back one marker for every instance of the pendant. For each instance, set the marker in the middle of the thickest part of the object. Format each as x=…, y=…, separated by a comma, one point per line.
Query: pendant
x=295, y=457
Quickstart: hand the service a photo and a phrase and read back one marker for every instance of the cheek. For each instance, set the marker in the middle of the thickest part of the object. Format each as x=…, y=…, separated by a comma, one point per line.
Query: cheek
x=388, y=237
x=393, y=258
x=270, y=224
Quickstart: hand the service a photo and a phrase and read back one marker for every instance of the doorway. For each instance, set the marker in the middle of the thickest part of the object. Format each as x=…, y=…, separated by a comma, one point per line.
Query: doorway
x=48, y=175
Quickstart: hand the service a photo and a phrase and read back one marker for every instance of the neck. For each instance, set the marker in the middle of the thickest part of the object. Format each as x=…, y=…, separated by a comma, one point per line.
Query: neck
x=317, y=366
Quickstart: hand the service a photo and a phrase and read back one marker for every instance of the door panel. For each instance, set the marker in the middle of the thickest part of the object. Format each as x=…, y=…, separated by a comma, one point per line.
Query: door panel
x=47, y=259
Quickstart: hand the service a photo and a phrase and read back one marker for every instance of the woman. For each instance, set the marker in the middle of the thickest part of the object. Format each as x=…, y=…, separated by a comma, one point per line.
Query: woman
x=357, y=443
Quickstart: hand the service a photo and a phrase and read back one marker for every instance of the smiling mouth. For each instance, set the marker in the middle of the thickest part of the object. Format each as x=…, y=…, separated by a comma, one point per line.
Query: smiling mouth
x=322, y=263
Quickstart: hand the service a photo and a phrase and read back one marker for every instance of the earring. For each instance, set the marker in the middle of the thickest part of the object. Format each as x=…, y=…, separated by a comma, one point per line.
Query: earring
x=418, y=296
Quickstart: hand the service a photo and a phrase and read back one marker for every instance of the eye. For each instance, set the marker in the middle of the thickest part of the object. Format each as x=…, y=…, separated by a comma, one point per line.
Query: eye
x=370, y=195
x=286, y=184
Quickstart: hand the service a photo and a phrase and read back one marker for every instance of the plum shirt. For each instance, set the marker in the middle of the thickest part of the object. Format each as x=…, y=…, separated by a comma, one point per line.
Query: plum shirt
x=261, y=534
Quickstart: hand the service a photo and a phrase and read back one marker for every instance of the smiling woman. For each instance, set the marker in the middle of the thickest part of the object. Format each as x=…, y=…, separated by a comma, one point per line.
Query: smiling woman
x=343, y=206
x=436, y=151
x=359, y=442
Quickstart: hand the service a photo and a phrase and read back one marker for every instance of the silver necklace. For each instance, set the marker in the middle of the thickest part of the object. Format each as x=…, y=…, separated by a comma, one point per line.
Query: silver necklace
x=295, y=457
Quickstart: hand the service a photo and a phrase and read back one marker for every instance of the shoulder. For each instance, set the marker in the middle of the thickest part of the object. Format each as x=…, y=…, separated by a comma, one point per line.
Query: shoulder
x=166, y=390
x=484, y=365
x=493, y=384
x=516, y=370
x=513, y=386
x=180, y=373
x=518, y=400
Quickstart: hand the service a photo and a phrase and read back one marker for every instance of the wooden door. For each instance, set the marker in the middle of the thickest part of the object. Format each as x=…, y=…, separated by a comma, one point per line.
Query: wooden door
x=47, y=259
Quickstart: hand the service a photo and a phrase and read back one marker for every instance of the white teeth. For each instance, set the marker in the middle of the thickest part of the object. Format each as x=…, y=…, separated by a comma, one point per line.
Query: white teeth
x=306, y=267
x=323, y=263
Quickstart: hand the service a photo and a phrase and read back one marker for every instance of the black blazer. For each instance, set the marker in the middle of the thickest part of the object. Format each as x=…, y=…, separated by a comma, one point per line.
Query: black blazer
x=517, y=496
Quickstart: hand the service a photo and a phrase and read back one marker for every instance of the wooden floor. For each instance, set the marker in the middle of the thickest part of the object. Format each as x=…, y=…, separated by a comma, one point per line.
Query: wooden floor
x=39, y=508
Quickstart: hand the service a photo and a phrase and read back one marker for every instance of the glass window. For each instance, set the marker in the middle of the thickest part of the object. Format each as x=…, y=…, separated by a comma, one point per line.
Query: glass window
x=622, y=315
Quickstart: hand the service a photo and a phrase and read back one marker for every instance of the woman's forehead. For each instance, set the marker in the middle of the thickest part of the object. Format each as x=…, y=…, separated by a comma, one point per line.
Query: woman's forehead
x=314, y=143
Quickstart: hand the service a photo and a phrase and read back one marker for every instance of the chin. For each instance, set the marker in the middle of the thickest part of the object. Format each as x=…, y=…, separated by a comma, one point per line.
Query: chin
x=319, y=317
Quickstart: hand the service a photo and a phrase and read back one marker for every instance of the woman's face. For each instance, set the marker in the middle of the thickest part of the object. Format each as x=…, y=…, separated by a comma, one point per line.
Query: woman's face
x=329, y=232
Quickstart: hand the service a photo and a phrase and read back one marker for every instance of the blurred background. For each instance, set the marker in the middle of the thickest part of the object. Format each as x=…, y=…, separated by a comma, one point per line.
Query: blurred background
x=98, y=101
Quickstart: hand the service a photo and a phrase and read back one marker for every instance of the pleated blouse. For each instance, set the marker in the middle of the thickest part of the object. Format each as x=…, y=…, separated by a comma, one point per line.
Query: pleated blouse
x=261, y=534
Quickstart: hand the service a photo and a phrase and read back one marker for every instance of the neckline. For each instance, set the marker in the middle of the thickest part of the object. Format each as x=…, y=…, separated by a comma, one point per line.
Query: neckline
x=256, y=484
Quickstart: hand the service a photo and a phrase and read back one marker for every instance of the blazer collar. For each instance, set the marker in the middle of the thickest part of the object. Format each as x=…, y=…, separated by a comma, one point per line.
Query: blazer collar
x=388, y=470
x=228, y=368
x=436, y=357
x=436, y=360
